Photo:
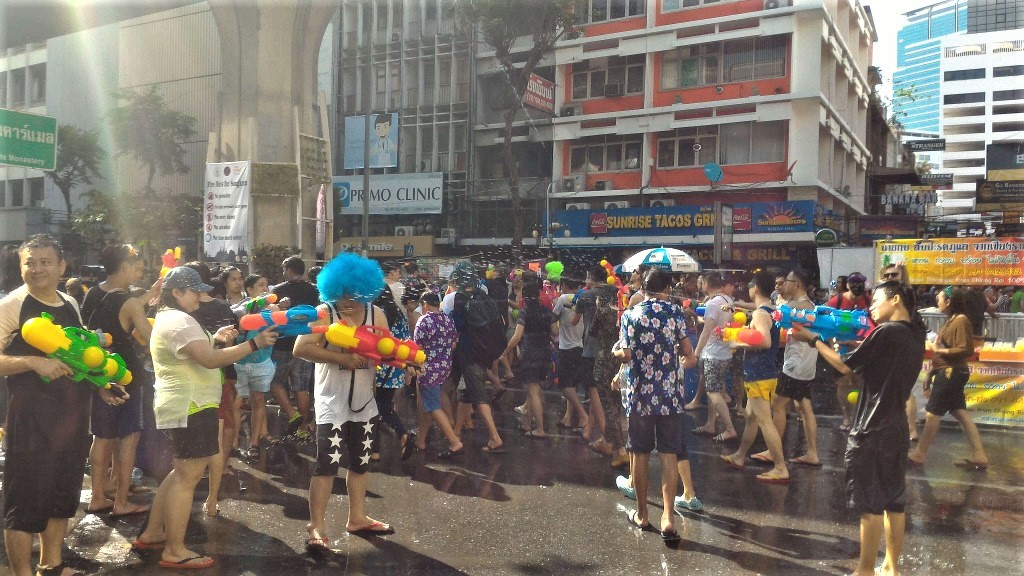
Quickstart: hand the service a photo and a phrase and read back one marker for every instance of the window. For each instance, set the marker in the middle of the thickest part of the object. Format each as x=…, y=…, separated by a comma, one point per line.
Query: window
x=603, y=10
x=1003, y=71
x=35, y=188
x=954, y=75
x=3, y=194
x=589, y=79
x=37, y=91
x=670, y=5
x=606, y=154
x=688, y=147
x=723, y=62
x=17, y=192
x=1008, y=95
x=963, y=98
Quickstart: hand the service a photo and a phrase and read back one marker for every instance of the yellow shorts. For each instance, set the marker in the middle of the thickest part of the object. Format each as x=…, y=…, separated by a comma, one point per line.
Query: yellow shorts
x=764, y=389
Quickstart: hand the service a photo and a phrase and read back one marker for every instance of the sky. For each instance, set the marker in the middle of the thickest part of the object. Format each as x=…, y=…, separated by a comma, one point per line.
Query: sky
x=888, y=17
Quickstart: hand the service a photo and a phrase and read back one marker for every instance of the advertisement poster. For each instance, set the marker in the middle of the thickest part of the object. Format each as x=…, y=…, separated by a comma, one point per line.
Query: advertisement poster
x=417, y=193
x=747, y=218
x=540, y=94
x=226, y=212
x=994, y=392
x=976, y=261
x=383, y=141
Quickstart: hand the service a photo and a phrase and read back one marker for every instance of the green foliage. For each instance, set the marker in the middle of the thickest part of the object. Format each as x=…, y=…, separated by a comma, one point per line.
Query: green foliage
x=79, y=155
x=145, y=129
x=266, y=260
x=94, y=224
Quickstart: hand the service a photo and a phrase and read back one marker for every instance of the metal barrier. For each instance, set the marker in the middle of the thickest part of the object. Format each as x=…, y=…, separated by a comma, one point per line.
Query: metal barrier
x=1005, y=328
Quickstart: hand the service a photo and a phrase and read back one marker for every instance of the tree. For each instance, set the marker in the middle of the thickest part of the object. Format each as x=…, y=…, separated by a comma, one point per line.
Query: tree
x=151, y=133
x=500, y=23
x=78, y=160
x=94, y=225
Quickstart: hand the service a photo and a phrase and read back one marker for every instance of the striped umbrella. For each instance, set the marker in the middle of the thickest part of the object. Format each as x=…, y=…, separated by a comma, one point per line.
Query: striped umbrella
x=668, y=258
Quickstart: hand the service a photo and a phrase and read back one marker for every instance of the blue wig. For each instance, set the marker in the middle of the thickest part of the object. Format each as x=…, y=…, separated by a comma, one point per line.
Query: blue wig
x=350, y=276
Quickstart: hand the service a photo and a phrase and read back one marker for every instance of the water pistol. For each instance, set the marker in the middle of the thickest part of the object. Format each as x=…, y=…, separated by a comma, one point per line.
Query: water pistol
x=737, y=331
x=698, y=310
x=138, y=337
x=376, y=344
x=291, y=322
x=827, y=322
x=254, y=305
x=170, y=260
x=81, y=349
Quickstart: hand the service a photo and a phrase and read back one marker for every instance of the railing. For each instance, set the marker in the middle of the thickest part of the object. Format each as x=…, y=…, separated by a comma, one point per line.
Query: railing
x=443, y=164
x=444, y=94
x=1005, y=328
x=411, y=97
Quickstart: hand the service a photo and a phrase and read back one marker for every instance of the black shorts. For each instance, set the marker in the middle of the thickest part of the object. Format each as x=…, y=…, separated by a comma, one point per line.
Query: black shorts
x=585, y=373
x=111, y=422
x=876, y=470
x=948, y=390
x=792, y=388
x=473, y=388
x=664, y=433
x=41, y=485
x=569, y=367
x=534, y=365
x=349, y=444
x=199, y=438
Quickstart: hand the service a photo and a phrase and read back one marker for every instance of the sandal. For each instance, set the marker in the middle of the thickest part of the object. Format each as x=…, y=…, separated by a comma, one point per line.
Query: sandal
x=723, y=438
x=499, y=449
x=58, y=570
x=318, y=545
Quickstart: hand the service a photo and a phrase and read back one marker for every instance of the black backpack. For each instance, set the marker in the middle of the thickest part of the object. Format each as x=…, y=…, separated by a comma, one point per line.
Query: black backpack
x=483, y=329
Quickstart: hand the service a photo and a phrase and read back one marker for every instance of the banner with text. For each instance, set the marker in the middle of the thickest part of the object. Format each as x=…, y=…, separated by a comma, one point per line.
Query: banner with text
x=226, y=212
x=994, y=392
x=418, y=193
x=747, y=218
x=976, y=261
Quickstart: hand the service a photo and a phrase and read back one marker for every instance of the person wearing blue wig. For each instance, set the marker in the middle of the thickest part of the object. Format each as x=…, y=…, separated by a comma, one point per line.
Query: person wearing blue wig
x=343, y=387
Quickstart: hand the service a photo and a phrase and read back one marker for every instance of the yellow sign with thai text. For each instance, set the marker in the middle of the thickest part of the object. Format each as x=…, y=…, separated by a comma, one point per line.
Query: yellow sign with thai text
x=994, y=392
x=976, y=261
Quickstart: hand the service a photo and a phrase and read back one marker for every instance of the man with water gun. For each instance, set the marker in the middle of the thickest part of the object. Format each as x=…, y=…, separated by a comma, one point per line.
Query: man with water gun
x=294, y=374
x=48, y=414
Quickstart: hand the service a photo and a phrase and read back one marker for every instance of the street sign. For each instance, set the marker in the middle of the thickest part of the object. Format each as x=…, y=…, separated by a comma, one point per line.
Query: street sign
x=28, y=140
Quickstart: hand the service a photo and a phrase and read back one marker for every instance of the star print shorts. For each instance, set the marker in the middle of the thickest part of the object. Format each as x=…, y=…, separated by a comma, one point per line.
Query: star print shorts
x=349, y=445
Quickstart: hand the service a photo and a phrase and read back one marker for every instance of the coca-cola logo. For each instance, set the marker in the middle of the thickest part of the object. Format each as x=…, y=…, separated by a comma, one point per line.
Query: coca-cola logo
x=599, y=223
x=742, y=218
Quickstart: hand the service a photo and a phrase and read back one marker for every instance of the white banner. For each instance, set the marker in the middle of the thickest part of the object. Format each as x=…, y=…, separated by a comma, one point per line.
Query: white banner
x=418, y=193
x=226, y=212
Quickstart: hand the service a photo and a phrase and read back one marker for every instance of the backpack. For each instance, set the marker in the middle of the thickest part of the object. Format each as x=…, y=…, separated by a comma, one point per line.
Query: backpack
x=605, y=325
x=483, y=329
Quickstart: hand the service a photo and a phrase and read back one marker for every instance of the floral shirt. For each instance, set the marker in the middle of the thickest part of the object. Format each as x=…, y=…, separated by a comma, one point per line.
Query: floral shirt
x=653, y=385
x=389, y=376
x=436, y=335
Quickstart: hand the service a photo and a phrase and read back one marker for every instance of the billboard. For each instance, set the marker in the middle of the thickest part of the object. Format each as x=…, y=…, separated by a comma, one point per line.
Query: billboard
x=226, y=212
x=417, y=193
x=975, y=261
x=540, y=94
x=1003, y=187
x=747, y=218
x=383, y=141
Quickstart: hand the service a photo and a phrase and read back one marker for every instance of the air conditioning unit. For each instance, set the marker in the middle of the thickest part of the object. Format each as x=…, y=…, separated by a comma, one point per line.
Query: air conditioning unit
x=616, y=205
x=405, y=230
x=604, y=185
x=612, y=90
x=662, y=203
x=572, y=110
x=447, y=232
x=574, y=183
x=577, y=206
x=773, y=4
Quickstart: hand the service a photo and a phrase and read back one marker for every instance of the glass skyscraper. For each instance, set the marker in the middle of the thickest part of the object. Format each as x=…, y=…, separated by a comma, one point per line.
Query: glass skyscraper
x=918, y=51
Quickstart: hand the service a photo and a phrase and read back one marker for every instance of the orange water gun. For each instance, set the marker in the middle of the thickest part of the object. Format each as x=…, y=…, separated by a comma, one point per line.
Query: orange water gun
x=376, y=344
x=170, y=259
x=737, y=331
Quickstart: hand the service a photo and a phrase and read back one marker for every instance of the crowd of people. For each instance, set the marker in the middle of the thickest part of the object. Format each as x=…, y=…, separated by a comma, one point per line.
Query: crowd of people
x=632, y=348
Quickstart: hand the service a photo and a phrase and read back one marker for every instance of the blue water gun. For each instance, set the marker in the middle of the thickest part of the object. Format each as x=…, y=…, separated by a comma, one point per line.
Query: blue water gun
x=843, y=325
x=291, y=322
x=576, y=297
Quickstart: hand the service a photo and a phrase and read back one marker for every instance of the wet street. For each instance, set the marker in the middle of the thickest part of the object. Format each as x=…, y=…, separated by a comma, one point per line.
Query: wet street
x=550, y=507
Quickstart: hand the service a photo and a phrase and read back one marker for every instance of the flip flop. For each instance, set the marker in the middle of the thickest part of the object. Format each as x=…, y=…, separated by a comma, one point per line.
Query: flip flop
x=701, y=431
x=564, y=426
x=762, y=458
x=499, y=449
x=451, y=453
x=800, y=460
x=188, y=563
x=670, y=536
x=140, y=545
x=730, y=463
x=140, y=509
x=764, y=478
x=318, y=545
x=965, y=463
x=844, y=427
x=376, y=529
x=99, y=511
x=631, y=517
x=721, y=439
x=534, y=436
x=410, y=445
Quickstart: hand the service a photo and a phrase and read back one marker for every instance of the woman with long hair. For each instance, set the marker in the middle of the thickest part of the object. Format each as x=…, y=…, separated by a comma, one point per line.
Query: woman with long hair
x=389, y=379
x=944, y=388
x=535, y=328
x=187, y=394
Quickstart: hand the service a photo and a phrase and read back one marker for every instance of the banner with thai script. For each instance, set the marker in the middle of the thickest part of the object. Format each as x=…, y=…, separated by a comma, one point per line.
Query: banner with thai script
x=994, y=392
x=226, y=212
x=975, y=261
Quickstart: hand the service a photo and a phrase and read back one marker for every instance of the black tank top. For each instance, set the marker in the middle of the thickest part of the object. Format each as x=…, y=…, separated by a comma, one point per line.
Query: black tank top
x=101, y=310
x=45, y=416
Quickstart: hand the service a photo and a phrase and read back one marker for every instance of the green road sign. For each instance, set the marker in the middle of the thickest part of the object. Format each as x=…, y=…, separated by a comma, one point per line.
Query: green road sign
x=28, y=140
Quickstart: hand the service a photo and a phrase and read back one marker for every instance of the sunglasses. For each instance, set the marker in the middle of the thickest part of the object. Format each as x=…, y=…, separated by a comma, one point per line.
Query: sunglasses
x=891, y=275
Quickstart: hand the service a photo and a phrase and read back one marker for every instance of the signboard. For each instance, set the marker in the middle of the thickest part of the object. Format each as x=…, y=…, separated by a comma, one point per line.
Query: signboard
x=226, y=212
x=418, y=193
x=383, y=141
x=937, y=181
x=975, y=261
x=754, y=218
x=540, y=94
x=994, y=392
x=723, y=232
x=388, y=246
x=1004, y=161
x=880, y=227
x=930, y=145
x=28, y=140
x=826, y=238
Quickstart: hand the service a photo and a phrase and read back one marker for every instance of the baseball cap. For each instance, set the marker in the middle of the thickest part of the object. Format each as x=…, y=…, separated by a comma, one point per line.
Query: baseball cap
x=184, y=278
x=856, y=277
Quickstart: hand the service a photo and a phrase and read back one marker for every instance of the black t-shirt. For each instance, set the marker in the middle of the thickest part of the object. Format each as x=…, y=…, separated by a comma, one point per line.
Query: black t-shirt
x=298, y=292
x=101, y=310
x=889, y=361
x=975, y=307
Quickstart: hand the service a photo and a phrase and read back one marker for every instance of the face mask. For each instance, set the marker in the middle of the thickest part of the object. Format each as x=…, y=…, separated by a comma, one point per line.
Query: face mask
x=857, y=289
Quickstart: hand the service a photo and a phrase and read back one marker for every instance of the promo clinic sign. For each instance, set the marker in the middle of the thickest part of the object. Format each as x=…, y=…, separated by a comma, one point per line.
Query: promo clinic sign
x=419, y=193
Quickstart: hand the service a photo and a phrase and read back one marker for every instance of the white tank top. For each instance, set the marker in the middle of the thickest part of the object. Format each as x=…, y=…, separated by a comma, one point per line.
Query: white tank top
x=800, y=359
x=343, y=395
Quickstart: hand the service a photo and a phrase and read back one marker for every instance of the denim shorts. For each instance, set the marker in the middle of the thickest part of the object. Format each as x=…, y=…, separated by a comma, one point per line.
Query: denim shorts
x=292, y=373
x=430, y=398
x=254, y=377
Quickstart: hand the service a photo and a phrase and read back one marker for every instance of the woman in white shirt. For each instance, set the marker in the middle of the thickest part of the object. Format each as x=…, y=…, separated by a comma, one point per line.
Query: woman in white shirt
x=187, y=394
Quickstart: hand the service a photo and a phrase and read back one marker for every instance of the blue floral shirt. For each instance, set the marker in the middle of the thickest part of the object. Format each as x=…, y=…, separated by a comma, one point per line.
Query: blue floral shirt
x=653, y=383
x=389, y=376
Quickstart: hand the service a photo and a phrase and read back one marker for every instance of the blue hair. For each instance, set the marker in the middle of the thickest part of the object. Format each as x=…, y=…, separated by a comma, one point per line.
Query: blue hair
x=350, y=276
